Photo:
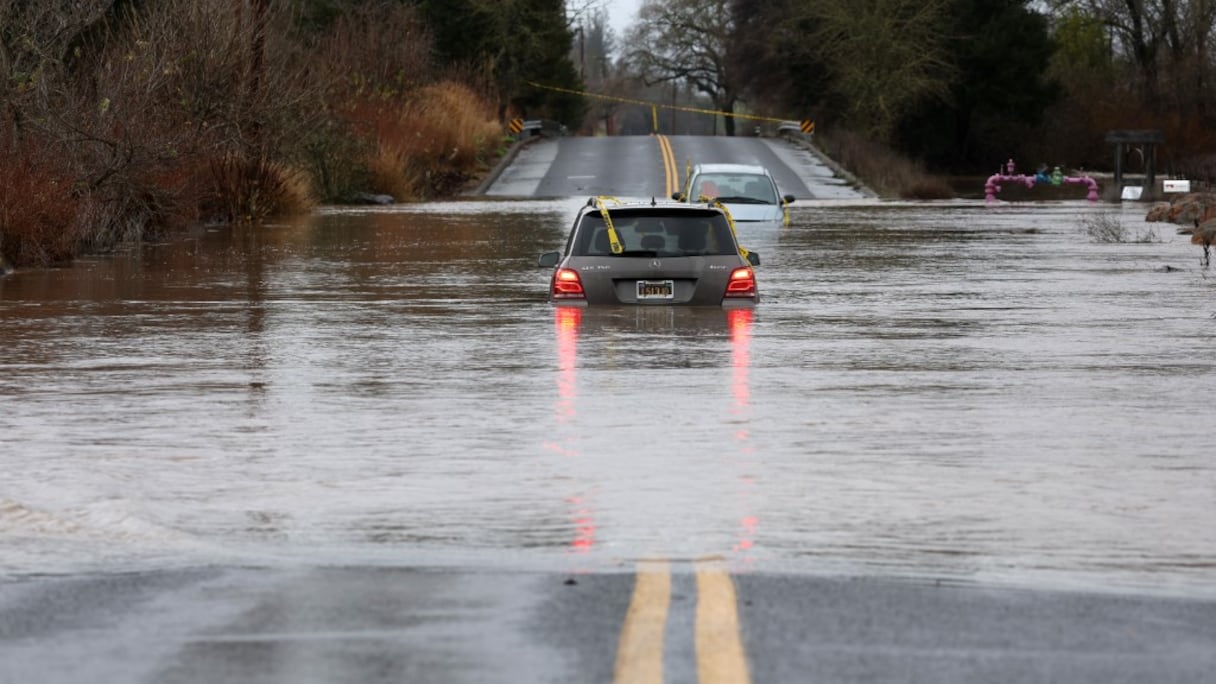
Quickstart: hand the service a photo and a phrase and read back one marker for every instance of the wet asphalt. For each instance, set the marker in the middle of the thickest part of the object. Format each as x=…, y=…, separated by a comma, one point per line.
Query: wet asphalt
x=376, y=624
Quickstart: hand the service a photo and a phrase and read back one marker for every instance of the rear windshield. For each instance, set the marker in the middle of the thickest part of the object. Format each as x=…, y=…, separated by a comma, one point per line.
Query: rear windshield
x=656, y=233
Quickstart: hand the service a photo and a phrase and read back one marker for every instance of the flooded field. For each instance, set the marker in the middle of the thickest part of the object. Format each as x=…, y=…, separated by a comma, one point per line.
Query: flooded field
x=930, y=390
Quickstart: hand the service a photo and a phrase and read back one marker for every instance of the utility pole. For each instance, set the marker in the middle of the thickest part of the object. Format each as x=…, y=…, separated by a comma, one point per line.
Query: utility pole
x=673, y=108
x=582, y=54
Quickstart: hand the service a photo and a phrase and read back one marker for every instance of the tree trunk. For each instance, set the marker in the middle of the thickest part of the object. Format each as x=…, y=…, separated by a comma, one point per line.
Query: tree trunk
x=257, y=60
x=728, y=122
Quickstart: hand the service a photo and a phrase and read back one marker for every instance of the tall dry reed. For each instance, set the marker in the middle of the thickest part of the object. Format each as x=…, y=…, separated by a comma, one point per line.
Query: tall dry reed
x=248, y=190
x=443, y=136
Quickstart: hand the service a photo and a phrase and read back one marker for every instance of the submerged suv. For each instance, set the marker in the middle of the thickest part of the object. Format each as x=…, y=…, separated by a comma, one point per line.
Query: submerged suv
x=748, y=191
x=651, y=253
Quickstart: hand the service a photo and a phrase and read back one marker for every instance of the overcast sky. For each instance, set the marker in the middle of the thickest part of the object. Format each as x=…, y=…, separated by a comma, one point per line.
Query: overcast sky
x=621, y=13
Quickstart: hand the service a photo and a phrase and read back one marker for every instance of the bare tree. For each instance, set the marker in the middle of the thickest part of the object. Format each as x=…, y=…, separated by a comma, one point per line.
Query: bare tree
x=1201, y=33
x=885, y=55
x=1167, y=41
x=593, y=53
x=184, y=105
x=35, y=40
x=685, y=41
x=594, y=46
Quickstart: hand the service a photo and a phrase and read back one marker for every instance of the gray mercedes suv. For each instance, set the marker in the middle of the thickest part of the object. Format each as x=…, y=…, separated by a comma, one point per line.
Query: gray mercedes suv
x=651, y=253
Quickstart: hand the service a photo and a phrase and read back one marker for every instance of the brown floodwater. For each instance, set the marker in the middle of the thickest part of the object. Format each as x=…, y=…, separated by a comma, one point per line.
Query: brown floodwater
x=931, y=390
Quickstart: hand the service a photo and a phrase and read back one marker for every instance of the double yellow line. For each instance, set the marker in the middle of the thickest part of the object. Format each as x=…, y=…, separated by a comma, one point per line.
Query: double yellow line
x=670, y=171
x=719, y=647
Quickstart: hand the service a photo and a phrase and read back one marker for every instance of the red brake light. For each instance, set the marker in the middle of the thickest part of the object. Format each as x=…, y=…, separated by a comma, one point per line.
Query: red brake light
x=567, y=284
x=742, y=283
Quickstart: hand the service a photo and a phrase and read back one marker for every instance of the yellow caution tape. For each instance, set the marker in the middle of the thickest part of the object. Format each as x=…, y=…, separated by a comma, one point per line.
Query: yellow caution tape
x=613, y=240
x=678, y=108
x=730, y=220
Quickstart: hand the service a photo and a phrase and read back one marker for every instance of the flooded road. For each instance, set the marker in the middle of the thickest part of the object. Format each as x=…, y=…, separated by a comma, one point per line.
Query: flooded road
x=942, y=391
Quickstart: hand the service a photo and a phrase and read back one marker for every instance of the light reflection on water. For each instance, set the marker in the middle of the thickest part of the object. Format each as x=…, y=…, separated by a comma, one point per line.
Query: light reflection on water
x=937, y=390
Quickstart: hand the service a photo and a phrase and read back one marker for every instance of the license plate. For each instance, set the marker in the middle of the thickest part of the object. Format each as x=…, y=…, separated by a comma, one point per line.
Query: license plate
x=655, y=289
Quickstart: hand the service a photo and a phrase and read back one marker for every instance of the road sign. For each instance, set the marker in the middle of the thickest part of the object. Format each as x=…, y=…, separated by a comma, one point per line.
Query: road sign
x=808, y=126
x=516, y=125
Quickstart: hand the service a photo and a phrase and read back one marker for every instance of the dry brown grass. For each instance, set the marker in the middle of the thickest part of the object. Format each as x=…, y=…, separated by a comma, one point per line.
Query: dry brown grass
x=455, y=126
x=428, y=146
x=392, y=172
x=250, y=190
x=883, y=170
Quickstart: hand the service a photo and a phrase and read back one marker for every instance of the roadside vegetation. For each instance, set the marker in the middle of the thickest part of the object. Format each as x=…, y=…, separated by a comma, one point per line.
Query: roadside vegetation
x=881, y=168
x=121, y=119
x=951, y=87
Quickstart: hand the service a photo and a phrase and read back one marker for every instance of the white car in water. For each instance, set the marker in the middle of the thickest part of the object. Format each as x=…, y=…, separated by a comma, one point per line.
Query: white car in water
x=748, y=191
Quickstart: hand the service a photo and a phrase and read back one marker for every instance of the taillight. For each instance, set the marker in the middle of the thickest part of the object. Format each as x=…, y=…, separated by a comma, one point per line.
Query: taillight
x=742, y=283
x=567, y=284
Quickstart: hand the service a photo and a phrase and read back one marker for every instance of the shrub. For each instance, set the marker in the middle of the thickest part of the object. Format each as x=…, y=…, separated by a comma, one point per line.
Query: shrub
x=1107, y=227
x=927, y=188
x=455, y=126
x=377, y=52
x=248, y=190
x=335, y=156
x=394, y=173
x=885, y=171
x=166, y=113
x=38, y=212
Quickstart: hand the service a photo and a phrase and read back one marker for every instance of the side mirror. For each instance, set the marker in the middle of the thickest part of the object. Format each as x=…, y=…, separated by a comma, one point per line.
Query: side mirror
x=753, y=258
x=789, y=199
x=548, y=259
x=677, y=196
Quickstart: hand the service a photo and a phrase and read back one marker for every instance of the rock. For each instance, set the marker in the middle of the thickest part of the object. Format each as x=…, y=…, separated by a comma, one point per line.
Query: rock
x=1192, y=207
x=1185, y=210
x=1204, y=233
x=1159, y=212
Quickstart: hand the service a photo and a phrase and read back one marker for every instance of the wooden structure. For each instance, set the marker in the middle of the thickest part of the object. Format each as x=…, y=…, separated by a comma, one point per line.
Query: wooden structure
x=1146, y=142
